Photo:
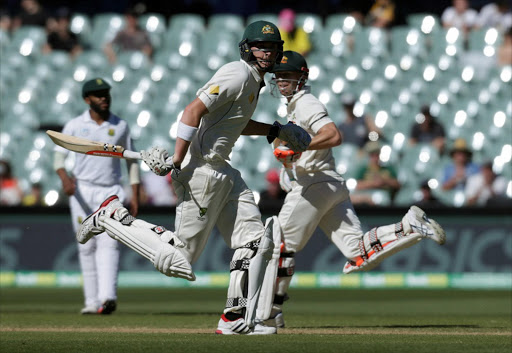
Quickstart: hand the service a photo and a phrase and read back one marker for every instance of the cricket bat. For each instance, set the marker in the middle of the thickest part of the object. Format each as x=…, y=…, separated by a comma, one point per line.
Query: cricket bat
x=81, y=145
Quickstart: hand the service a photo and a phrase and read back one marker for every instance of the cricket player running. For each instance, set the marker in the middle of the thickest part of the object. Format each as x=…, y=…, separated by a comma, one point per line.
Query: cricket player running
x=319, y=196
x=94, y=179
x=210, y=192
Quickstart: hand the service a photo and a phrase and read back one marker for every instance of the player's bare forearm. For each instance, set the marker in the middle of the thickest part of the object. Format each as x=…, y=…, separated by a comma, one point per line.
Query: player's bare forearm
x=256, y=128
x=328, y=136
x=192, y=117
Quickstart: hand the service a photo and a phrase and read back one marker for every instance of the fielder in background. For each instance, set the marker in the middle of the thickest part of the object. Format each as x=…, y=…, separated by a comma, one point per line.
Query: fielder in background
x=210, y=192
x=93, y=179
x=319, y=197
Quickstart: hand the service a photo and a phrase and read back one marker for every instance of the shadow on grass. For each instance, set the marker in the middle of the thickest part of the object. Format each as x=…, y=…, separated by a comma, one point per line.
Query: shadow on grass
x=392, y=326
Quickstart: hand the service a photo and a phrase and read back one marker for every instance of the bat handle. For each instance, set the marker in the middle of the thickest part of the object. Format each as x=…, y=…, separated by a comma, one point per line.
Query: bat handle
x=131, y=154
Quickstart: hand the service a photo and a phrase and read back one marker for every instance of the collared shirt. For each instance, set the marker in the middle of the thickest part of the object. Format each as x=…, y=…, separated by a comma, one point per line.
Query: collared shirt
x=93, y=169
x=230, y=96
x=305, y=110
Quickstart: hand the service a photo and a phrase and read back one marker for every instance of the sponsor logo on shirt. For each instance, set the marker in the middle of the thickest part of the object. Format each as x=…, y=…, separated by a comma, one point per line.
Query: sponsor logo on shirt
x=214, y=90
x=84, y=132
x=80, y=220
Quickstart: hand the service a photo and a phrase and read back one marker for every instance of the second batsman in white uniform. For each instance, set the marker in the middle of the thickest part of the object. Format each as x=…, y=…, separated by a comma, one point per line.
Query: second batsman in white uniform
x=94, y=179
x=210, y=192
x=318, y=197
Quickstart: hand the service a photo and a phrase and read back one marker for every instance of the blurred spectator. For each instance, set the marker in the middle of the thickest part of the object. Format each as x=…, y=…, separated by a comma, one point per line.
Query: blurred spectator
x=484, y=186
x=61, y=37
x=374, y=175
x=295, y=38
x=34, y=197
x=497, y=15
x=455, y=174
x=273, y=196
x=355, y=130
x=32, y=13
x=158, y=190
x=381, y=14
x=5, y=21
x=131, y=38
x=427, y=198
x=460, y=15
x=10, y=191
x=505, y=50
x=428, y=130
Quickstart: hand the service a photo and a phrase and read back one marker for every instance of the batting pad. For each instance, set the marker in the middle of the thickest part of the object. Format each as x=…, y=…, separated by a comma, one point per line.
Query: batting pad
x=388, y=249
x=257, y=269
x=265, y=302
x=166, y=258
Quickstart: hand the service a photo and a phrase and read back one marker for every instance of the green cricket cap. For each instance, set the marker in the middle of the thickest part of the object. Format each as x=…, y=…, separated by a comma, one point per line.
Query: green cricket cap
x=94, y=85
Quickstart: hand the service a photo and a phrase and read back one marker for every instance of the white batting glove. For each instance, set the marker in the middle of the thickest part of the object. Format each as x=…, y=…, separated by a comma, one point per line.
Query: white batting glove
x=298, y=139
x=158, y=160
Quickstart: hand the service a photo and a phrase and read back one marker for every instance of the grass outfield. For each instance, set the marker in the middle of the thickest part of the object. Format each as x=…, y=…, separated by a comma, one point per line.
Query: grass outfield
x=184, y=320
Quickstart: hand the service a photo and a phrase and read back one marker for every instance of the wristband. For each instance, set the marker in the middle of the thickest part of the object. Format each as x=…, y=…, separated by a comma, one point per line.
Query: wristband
x=186, y=132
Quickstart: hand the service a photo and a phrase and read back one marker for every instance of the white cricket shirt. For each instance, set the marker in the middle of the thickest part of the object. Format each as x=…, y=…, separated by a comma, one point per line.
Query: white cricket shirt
x=93, y=169
x=230, y=96
x=305, y=110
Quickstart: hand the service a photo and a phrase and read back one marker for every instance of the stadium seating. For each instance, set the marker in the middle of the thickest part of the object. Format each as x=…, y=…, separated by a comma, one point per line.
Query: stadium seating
x=391, y=72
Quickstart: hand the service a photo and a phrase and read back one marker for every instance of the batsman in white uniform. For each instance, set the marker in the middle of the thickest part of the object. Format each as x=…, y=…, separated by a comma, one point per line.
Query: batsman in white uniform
x=317, y=194
x=93, y=179
x=210, y=192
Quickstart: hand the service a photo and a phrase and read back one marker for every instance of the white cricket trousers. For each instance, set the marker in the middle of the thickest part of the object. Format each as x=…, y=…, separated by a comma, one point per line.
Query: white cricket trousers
x=320, y=200
x=99, y=257
x=214, y=195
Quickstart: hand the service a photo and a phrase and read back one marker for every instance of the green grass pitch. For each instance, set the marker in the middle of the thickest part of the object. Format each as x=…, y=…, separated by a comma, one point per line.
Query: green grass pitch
x=184, y=320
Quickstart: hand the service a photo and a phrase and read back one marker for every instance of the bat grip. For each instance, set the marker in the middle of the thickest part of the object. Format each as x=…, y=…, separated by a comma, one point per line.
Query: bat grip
x=131, y=154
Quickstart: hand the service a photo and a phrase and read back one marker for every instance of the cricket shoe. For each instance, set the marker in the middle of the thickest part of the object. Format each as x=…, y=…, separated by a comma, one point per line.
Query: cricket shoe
x=235, y=327
x=425, y=226
x=263, y=328
x=91, y=225
x=89, y=310
x=107, y=308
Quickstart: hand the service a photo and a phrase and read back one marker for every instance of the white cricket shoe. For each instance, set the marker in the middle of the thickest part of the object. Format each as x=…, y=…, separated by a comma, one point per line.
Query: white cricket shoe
x=235, y=327
x=261, y=328
x=91, y=226
x=89, y=310
x=425, y=226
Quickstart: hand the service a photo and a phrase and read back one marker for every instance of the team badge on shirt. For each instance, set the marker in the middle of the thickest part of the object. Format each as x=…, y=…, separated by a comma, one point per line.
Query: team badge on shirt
x=214, y=90
x=111, y=132
x=251, y=97
x=80, y=220
x=267, y=29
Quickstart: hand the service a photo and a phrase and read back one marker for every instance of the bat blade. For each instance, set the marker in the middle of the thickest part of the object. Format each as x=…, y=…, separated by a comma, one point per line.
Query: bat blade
x=81, y=145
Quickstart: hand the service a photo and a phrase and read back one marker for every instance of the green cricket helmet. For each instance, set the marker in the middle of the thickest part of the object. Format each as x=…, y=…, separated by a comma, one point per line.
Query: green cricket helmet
x=291, y=62
x=260, y=31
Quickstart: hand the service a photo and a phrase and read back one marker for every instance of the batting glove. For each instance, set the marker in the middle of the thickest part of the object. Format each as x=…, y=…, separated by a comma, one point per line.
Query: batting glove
x=298, y=139
x=285, y=155
x=158, y=160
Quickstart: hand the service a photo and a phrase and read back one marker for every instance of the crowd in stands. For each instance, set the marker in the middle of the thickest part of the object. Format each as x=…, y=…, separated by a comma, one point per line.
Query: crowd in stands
x=479, y=183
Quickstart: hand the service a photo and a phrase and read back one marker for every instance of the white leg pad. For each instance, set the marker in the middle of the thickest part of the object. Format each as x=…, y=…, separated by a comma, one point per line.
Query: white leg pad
x=265, y=302
x=256, y=273
x=140, y=237
x=388, y=249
